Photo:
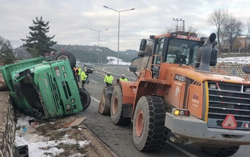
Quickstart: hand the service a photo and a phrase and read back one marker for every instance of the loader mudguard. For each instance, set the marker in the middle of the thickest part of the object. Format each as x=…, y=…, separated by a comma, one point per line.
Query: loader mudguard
x=128, y=92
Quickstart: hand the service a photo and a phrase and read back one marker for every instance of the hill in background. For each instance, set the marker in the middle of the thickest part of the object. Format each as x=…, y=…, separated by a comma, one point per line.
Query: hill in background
x=90, y=54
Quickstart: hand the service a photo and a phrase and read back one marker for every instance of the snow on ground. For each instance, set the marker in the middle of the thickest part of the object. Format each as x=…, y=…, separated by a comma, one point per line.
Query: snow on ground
x=113, y=60
x=239, y=60
x=40, y=146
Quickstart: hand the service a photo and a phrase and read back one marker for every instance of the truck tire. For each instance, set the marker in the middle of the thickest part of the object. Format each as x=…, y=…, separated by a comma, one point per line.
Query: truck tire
x=66, y=55
x=149, y=132
x=220, y=152
x=116, y=108
x=85, y=99
x=104, y=105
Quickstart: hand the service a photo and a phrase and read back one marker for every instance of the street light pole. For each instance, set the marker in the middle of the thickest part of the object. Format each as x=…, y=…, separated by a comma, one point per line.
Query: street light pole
x=102, y=46
x=98, y=31
x=118, y=44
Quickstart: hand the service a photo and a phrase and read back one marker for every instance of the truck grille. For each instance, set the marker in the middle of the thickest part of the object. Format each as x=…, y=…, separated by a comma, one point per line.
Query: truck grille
x=226, y=99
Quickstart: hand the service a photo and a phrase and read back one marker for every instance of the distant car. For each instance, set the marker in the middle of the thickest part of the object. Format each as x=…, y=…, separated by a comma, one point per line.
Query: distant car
x=89, y=68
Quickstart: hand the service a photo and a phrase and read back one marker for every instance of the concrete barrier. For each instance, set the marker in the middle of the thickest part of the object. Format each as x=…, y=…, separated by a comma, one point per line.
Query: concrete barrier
x=7, y=126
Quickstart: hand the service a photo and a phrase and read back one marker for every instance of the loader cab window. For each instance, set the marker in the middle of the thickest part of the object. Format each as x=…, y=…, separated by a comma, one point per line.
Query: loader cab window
x=182, y=51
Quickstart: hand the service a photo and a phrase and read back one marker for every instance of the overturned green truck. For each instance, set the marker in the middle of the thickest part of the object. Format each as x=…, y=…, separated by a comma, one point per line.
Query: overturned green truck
x=45, y=87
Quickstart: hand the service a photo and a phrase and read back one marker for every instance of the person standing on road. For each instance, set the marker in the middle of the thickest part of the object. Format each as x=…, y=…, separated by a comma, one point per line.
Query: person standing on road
x=123, y=78
x=86, y=72
x=79, y=73
x=75, y=73
x=83, y=78
x=108, y=79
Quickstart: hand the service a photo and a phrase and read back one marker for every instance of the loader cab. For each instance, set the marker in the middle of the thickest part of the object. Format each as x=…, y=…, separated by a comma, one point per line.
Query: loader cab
x=176, y=51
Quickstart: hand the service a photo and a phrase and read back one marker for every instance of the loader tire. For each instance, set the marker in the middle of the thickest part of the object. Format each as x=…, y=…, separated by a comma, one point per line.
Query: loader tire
x=116, y=108
x=149, y=132
x=66, y=55
x=220, y=152
x=104, y=105
x=85, y=99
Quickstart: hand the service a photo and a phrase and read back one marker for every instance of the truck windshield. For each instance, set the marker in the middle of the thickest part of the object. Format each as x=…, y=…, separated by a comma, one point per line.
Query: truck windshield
x=183, y=51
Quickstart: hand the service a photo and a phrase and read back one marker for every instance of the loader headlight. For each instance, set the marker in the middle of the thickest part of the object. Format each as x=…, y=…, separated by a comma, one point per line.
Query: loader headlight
x=180, y=112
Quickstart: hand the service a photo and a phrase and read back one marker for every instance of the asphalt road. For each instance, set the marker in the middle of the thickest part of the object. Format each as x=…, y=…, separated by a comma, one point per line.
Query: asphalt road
x=119, y=139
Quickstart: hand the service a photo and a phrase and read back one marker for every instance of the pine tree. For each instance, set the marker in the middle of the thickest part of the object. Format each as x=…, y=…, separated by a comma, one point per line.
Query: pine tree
x=38, y=42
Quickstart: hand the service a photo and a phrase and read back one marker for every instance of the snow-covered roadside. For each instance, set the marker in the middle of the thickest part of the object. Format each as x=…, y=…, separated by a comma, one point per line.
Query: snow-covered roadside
x=41, y=146
x=239, y=60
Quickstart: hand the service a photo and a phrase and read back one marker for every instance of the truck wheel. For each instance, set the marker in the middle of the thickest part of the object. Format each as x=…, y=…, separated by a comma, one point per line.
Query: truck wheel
x=220, y=152
x=85, y=99
x=149, y=132
x=104, y=105
x=65, y=55
x=116, y=108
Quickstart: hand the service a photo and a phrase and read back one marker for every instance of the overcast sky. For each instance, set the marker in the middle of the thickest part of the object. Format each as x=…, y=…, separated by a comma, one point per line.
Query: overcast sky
x=70, y=20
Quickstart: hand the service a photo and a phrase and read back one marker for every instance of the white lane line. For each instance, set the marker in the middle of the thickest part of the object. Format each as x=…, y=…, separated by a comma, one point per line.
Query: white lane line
x=168, y=142
x=93, y=81
x=180, y=149
x=95, y=99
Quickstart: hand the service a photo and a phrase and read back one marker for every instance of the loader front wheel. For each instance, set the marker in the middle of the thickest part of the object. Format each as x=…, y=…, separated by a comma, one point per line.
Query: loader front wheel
x=116, y=108
x=85, y=99
x=220, y=152
x=149, y=132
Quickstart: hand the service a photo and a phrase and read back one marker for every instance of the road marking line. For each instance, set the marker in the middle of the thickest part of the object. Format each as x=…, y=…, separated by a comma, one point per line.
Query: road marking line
x=95, y=99
x=180, y=149
x=93, y=81
x=168, y=142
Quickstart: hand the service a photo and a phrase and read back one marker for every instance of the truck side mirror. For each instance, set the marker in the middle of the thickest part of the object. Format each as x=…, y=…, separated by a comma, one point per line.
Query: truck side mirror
x=246, y=69
x=143, y=44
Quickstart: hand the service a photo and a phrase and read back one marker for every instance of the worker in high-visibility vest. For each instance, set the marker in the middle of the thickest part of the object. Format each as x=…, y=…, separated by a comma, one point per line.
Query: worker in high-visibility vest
x=79, y=73
x=83, y=78
x=108, y=79
x=123, y=78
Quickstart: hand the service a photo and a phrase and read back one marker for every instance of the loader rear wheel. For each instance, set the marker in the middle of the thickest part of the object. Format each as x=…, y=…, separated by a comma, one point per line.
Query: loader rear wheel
x=149, y=132
x=85, y=99
x=116, y=108
x=220, y=152
x=104, y=105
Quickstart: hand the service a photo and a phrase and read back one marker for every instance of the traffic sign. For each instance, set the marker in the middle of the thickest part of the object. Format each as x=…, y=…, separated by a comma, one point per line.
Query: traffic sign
x=229, y=122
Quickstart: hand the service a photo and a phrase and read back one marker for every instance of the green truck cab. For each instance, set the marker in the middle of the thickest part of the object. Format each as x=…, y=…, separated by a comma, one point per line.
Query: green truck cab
x=45, y=88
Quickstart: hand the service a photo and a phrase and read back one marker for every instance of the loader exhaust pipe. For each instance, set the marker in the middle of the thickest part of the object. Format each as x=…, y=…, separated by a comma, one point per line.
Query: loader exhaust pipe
x=205, y=52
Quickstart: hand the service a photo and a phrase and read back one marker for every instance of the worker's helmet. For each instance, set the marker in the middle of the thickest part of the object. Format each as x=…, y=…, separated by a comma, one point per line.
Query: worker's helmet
x=108, y=73
x=123, y=75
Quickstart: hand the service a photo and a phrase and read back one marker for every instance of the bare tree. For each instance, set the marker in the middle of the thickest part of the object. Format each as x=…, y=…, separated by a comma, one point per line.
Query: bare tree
x=169, y=29
x=247, y=44
x=192, y=29
x=217, y=18
x=248, y=27
x=231, y=29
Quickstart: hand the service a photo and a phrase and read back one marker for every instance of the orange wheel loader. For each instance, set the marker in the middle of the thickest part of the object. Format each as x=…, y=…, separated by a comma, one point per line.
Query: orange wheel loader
x=178, y=97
